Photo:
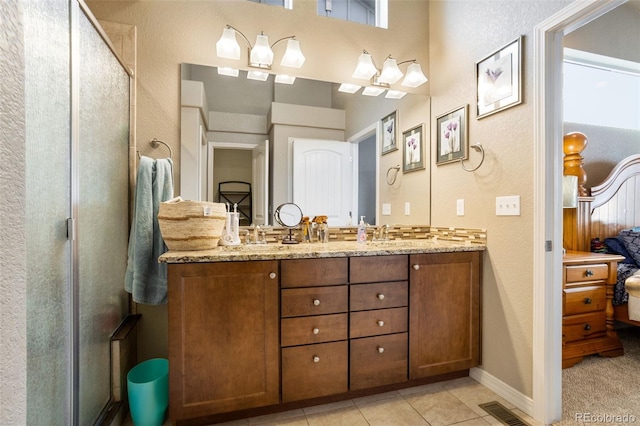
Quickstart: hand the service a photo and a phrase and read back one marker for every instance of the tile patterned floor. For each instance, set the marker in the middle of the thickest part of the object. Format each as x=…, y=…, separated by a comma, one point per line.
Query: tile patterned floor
x=438, y=404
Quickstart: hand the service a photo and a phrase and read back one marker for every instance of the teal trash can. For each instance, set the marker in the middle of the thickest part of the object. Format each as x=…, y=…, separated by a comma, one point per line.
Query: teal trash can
x=148, y=389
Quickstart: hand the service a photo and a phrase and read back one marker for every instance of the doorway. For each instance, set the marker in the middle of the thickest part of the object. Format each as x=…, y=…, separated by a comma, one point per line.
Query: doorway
x=548, y=123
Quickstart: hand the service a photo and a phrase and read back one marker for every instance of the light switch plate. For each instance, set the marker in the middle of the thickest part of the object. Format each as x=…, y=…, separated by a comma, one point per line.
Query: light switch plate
x=407, y=208
x=508, y=206
x=386, y=209
x=460, y=207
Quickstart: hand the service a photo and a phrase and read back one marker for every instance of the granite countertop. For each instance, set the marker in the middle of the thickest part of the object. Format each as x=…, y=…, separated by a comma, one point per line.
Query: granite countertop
x=277, y=251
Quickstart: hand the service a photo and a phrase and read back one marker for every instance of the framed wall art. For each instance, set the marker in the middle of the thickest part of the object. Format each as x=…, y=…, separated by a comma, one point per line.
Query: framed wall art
x=413, y=149
x=390, y=133
x=452, y=143
x=499, y=79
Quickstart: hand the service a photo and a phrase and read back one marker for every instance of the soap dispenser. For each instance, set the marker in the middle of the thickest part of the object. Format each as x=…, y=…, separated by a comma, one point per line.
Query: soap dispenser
x=362, y=231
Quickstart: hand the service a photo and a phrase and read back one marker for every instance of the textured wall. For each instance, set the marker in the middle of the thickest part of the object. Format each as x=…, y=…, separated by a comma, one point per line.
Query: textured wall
x=461, y=33
x=13, y=285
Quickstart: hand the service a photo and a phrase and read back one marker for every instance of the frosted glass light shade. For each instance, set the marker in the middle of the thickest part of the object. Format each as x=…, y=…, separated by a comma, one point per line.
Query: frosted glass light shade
x=293, y=56
x=415, y=77
x=365, y=68
x=284, y=79
x=348, y=88
x=390, y=72
x=569, y=191
x=261, y=54
x=372, y=91
x=395, y=94
x=231, y=72
x=257, y=75
x=227, y=46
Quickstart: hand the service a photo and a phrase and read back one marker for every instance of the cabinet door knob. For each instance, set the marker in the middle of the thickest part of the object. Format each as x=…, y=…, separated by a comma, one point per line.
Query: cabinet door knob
x=380, y=349
x=316, y=302
x=588, y=273
x=587, y=301
x=381, y=296
x=316, y=330
x=416, y=267
x=381, y=323
x=272, y=275
x=587, y=327
x=316, y=358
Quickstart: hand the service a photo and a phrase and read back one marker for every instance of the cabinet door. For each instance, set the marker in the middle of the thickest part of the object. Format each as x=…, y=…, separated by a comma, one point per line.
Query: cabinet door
x=444, y=328
x=223, y=323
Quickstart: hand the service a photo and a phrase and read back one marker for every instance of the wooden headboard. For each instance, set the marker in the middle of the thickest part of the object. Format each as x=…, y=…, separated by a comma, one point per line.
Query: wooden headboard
x=612, y=206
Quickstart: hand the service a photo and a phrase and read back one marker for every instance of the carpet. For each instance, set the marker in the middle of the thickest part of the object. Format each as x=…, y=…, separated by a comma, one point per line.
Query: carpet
x=604, y=391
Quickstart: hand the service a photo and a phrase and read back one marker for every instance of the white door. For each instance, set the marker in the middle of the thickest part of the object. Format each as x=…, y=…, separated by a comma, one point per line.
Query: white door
x=260, y=183
x=322, y=179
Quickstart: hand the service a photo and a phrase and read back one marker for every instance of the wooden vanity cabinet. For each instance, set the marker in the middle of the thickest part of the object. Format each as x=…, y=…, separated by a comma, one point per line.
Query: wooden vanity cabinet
x=314, y=327
x=379, y=325
x=223, y=337
x=444, y=310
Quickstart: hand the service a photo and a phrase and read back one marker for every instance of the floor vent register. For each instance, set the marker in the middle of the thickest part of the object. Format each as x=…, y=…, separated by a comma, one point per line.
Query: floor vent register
x=503, y=414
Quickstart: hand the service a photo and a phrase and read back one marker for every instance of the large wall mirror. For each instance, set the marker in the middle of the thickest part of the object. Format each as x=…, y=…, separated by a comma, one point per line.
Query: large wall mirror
x=263, y=143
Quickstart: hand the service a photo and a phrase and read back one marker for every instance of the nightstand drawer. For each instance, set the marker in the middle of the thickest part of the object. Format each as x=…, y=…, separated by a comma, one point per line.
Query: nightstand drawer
x=583, y=326
x=298, y=302
x=381, y=321
x=580, y=300
x=594, y=272
x=315, y=329
x=379, y=296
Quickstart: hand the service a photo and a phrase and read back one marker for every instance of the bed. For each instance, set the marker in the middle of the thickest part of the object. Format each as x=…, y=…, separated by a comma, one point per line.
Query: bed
x=609, y=220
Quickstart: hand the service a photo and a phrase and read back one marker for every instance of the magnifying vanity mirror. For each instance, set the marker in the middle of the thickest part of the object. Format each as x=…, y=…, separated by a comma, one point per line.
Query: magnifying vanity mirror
x=275, y=137
x=288, y=215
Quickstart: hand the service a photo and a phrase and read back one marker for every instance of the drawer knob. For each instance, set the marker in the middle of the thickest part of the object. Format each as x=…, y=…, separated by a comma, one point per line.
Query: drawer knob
x=381, y=323
x=316, y=358
x=588, y=273
x=416, y=267
x=316, y=302
x=587, y=301
x=381, y=296
x=316, y=330
x=272, y=275
x=380, y=349
x=587, y=327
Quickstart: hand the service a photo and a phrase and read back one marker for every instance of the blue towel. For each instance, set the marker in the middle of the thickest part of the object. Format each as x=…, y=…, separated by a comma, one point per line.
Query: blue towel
x=146, y=279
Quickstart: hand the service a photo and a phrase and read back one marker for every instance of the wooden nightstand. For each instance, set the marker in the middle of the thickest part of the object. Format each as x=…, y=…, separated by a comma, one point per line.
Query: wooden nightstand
x=587, y=309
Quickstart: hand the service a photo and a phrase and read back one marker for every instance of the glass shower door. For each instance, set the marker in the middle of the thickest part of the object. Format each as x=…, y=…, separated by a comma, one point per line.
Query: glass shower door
x=103, y=214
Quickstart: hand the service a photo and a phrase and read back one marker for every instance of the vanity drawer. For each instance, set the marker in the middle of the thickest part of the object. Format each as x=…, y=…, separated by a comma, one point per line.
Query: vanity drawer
x=580, y=300
x=379, y=296
x=381, y=321
x=583, y=326
x=313, y=272
x=593, y=272
x=379, y=268
x=315, y=329
x=296, y=302
x=378, y=361
x=314, y=370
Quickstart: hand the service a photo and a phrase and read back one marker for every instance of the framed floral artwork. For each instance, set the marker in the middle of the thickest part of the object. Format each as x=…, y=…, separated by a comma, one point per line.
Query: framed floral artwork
x=390, y=133
x=499, y=79
x=413, y=149
x=452, y=139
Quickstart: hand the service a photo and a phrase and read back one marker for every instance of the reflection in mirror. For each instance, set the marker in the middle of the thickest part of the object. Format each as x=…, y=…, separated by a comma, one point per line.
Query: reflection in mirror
x=235, y=129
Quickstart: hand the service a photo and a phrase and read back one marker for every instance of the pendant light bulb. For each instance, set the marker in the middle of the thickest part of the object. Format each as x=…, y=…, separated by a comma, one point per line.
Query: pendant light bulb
x=227, y=46
x=365, y=68
x=261, y=54
x=415, y=77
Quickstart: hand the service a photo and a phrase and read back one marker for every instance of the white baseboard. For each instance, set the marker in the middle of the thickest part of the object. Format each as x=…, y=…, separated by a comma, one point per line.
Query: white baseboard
x=503, y=390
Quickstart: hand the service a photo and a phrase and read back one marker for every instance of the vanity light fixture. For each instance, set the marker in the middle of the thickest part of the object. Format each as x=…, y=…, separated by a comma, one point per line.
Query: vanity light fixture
x=261, y=53
x=390, y=73
x=231, y=72
x=257, y=75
